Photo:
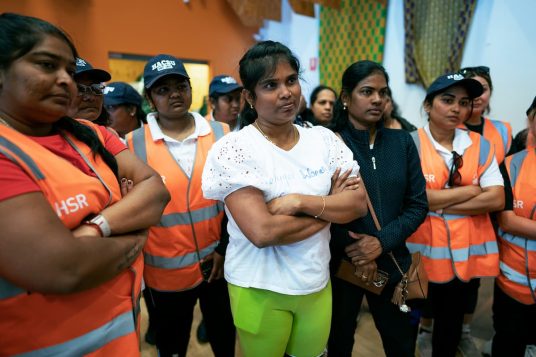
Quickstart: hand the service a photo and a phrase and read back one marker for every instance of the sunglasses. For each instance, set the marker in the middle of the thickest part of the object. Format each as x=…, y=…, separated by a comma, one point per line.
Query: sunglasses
x=94, y=89
x=475, y=70
x=455, y=177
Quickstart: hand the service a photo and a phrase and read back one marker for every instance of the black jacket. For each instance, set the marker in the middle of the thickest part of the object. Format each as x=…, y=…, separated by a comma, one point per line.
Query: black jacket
x=392, y=175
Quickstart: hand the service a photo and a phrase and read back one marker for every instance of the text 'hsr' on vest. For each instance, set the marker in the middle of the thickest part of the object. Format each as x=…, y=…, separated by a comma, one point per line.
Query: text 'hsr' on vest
x=518, y=204
x=71, y=204
x=429, y=177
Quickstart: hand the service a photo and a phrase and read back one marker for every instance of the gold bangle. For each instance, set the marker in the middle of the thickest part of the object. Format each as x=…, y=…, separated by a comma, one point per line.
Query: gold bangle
x=323, y=207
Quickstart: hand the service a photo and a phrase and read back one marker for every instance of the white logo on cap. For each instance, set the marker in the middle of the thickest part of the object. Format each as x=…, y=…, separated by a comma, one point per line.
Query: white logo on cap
x=108, y=90
x=162, y=65
x=80, y=62
x=228, y=80
x=456, y=77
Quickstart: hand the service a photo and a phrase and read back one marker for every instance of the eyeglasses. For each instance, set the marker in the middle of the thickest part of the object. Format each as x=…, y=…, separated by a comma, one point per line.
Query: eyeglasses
x=94, y=89
x=455, y=177
x=475, y=70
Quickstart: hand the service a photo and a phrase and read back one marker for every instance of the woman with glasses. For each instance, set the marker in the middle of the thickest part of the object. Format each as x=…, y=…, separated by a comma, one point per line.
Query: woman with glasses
x=463, y=184
x=88, y=103
x=514, y=299
x=72, y=231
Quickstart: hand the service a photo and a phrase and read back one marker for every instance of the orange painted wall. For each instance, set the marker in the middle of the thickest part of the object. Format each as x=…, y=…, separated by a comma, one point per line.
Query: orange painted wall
x=207, y=30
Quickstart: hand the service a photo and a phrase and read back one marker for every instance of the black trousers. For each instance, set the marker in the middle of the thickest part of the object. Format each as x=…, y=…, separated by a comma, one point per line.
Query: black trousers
x=174, y=315
x=150, y=305
x=514, y=325
x=470, y=302
x=393, y=325
x=448, y=302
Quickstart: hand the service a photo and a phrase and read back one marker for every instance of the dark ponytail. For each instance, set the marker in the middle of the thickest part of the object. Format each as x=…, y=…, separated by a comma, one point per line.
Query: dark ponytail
x=86, y=135
x=247, y=115
x=351, y=77
x=259, y=62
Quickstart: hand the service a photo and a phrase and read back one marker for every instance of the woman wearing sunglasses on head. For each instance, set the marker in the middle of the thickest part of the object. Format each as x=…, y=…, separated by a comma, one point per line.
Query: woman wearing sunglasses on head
x=64, y=288
x=463, y=184
x=499, y=133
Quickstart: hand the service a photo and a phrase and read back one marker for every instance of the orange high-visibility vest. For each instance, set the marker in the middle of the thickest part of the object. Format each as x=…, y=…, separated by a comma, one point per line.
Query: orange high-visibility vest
x=455, y=245
x=190, y=227
x=518, y=254
x=101, y=321
x=499, y=133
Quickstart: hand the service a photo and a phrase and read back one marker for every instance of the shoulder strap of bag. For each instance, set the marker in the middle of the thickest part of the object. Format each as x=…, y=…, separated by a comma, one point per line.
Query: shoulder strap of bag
x=377, y=223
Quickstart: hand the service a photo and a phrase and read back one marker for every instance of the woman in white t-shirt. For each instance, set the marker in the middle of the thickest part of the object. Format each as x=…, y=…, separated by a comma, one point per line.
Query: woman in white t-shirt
x=276, y=181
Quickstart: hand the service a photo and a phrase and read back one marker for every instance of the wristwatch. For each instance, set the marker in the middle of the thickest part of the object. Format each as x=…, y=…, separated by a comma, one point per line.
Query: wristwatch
x=102, y=223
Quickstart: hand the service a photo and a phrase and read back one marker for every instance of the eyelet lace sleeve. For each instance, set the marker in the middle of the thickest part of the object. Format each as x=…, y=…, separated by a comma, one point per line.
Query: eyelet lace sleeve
x=339, y=154
x=230, y=165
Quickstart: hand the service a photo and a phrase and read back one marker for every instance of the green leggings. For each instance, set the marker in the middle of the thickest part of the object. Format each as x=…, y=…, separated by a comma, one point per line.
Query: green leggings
x=272, y=324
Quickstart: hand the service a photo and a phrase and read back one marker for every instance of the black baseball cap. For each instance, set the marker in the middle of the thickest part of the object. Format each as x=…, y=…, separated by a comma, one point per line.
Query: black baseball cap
x=121, y=93
x=473, y=87
x=223, y=84
x=160, y=66
x=83, y=66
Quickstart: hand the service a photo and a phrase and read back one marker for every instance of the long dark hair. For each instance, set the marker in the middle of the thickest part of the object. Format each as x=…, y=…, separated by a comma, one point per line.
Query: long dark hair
x=18, y=35
x=259, y=62
x=351, y=77
x=316, y=91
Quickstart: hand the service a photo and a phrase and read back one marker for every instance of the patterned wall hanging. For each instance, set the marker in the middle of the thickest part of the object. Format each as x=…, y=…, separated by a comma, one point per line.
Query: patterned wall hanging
x=355, y=31
x=435, y=33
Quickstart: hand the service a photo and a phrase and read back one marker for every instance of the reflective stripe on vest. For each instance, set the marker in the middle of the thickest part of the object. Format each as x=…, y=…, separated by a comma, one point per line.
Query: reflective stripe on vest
x=500, y=134
x=190, y=222
x=516, y=277
x=138, y=141
x=514, y=166
x=121, y=325
x=98, y=311
x=521, y=242
x=22, y=155
x=178, y=262
x=457, y=255
x=217, y=128
x=452, y=246
x=518, y=254
x=202, y=214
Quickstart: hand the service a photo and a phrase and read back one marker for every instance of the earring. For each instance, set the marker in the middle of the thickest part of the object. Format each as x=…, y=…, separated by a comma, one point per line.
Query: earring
x=251, y=106
x=344, y=106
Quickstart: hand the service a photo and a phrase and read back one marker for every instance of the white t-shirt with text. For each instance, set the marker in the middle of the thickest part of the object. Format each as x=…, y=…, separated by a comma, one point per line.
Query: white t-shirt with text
x=246, y=158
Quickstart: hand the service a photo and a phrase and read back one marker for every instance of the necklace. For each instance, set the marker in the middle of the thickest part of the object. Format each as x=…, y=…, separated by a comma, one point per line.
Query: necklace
x=270, y=140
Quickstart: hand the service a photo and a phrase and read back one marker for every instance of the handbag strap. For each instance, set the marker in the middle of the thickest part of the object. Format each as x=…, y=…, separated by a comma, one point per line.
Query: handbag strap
x=377, y=223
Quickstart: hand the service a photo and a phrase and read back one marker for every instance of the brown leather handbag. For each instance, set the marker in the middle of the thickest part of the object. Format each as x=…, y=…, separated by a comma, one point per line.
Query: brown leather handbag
x=347, y=272
x=414, y=282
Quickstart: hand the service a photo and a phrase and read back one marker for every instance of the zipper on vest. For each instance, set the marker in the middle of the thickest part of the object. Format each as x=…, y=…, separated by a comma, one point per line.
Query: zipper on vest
x=374, y=163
